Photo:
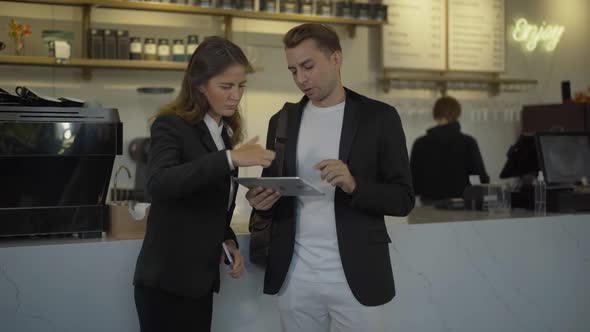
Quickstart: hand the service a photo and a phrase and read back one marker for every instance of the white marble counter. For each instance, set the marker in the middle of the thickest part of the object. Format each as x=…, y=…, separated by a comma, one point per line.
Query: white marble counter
x=420, y=215
x=428, y=214
x=519, y=274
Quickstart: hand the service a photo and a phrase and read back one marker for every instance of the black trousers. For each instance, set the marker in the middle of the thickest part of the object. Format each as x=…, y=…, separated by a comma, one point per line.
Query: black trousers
x=161, y=311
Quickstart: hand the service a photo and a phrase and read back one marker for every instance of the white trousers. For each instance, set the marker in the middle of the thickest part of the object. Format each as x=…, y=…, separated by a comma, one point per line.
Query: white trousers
x=325, y=307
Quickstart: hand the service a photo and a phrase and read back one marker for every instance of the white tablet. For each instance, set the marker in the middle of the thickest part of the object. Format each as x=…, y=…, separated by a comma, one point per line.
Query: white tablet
x=287, y=186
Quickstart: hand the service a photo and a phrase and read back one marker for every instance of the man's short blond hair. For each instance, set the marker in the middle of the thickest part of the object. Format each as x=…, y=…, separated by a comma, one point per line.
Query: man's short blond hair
x=325, y=37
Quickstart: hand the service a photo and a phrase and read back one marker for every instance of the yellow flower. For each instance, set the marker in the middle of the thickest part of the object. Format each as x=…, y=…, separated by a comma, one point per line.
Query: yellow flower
x=18, y=31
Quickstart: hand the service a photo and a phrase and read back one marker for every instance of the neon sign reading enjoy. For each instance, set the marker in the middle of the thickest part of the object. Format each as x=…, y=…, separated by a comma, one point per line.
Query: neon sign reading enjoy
x=531, y=35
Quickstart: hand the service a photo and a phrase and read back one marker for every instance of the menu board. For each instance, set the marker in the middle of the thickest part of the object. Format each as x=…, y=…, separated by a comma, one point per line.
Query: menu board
x=477, y=35
x=415, y=36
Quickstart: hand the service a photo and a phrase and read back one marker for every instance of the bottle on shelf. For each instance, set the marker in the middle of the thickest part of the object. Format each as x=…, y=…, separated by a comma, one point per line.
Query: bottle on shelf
x=540, y=195
x=110, y=44
x=342, y=8
x=191, y=45
x=381, y=13
x=202, y=3
x=150, y=49
x=247, y=5
x=163, y=50
x=96, y=43
x=307, y=7
x=268, y=6
x=135, y=49
x=123, y=44
x=178, y=50
x=290, y=6
x=324, y=8
x=226, y=4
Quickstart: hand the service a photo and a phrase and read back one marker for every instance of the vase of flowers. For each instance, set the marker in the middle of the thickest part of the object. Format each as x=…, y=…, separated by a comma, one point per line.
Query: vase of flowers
x=582, y=97
x=18, y=32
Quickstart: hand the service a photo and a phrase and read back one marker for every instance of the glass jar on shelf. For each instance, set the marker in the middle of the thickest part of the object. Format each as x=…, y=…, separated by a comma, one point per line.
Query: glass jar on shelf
x=178, y=50
x=150, y=49
x=247, y=5
x=191, y=45
x=324, y=8
x=135, y=48
x=268, y=6
x=226, y=4
x=307, y=7
x=163, y=50
x=289, y=6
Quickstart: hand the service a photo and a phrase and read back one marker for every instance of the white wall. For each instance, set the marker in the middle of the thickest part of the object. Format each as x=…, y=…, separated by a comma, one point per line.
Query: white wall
x=494, y=121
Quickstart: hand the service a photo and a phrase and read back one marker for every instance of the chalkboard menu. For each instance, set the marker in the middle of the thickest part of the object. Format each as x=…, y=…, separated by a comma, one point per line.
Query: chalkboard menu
x=415, y=36
x=476, y=35
x=454, y=35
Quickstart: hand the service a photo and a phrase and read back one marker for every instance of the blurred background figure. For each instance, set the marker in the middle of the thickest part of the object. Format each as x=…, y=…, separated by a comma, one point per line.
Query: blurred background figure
x=443, y=159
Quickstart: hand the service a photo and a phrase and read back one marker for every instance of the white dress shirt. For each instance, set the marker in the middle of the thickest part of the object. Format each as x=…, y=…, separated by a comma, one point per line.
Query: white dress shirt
x=215, y=130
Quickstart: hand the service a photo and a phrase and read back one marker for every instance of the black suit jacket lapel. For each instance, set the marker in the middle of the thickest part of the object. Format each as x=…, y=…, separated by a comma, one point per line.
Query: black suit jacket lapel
x=205, y=136
x=228, y=146
x=295, y=113
x=226, y=139
x=349, y=126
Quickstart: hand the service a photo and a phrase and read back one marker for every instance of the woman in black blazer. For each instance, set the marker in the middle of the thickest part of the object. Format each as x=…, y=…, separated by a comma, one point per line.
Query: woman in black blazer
x=190, y=167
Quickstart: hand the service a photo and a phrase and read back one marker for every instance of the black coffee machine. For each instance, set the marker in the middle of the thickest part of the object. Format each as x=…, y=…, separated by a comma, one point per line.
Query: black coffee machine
x=55, y=167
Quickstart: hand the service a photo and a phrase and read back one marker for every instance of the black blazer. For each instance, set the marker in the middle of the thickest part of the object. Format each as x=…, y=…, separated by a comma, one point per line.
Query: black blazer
x=189, y=181
x=442, y=161
x=373, y=146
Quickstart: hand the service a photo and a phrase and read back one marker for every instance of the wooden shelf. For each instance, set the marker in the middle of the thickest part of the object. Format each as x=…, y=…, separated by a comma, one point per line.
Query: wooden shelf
x=188, y=9
x=55, y=2
x=443, y=82
x=305, y=18
x=227, y=14
x=460, y=80
x=99, y=63
x=92, y=63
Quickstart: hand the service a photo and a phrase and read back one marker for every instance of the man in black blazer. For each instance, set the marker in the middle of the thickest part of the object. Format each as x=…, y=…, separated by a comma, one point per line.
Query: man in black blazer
x=329, y=256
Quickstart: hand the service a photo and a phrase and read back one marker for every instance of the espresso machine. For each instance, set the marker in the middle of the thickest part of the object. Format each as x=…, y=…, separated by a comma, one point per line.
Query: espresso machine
x=55, y=167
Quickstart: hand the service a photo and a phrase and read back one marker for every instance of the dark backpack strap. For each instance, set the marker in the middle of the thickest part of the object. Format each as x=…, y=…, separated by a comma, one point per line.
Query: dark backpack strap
x=281, y=140
x=260, y=224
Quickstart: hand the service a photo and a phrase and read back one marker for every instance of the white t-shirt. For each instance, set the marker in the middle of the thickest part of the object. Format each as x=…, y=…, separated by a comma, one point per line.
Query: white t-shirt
x=316, y=256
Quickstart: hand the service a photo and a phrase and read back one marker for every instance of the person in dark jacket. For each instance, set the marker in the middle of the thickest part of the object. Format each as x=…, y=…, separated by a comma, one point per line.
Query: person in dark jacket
x=190, y=169
x=328, y=260
x=442, y=161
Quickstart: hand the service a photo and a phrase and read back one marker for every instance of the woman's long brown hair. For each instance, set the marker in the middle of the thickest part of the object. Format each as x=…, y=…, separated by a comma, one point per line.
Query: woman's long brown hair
x=213, y=56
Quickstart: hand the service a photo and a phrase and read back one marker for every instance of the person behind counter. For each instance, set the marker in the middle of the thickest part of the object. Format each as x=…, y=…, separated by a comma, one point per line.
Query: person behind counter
x=442, y=161
x=190, y=167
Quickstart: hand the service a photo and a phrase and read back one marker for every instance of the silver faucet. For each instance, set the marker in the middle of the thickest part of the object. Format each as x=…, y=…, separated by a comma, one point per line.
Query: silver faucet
x=115, y=195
